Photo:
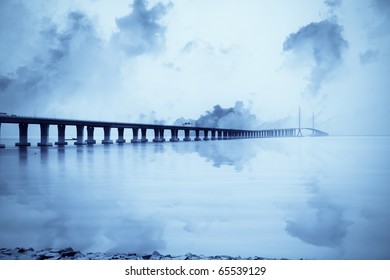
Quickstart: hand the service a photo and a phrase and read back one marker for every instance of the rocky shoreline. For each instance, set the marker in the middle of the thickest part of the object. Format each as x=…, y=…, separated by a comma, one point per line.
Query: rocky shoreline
x=70, y=254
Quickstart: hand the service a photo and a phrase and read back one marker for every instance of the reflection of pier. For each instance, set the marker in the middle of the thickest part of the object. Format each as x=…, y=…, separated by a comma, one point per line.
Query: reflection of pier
x=201, y=133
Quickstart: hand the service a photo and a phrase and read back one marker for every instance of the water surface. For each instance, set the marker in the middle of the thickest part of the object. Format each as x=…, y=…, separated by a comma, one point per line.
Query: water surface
x=321, y=198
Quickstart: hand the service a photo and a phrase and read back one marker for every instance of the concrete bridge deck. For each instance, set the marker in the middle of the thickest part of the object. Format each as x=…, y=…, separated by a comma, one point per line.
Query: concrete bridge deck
x=209, y=133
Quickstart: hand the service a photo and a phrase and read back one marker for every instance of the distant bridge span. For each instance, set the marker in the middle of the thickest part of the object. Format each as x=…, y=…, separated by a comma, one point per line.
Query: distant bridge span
x=208, y=133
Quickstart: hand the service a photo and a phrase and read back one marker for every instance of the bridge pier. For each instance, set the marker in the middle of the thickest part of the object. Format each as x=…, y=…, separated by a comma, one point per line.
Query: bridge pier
x=187, y=135
x=135, y=135
x=121, y=139
x=44, y=136
x=225, y=135
x=213, y=134
x=143, y=135
x=80, y=135
x=197, y=135
x=107, y=132
x=61, y=135
x=162, y=139
x=174, y=135
x=90, y=140
x=2, y=146
x=23, y=135
x=206, y=135
x=158, y=135
x=219, y=135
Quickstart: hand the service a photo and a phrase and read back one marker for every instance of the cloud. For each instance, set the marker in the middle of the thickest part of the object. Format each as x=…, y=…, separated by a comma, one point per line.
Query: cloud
x=234, y=117
x=65, y=67
x=150, y=118
x=333, y=3
x=369, y=56
x=321, y=43
x=141, y=31
x=383, y=6
x=58, y=63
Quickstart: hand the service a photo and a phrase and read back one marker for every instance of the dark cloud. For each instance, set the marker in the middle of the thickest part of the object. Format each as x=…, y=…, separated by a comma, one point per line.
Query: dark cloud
x=382, y=6
x=46, y=63
x=55, y=64
x=234, y=117
x=368, y=56
x=321, y=42
x=141, y=30
x=333, y=3
x=4, y=82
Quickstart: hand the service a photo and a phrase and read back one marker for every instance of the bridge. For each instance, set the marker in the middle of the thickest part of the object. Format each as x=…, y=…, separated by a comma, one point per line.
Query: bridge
x=207, y=133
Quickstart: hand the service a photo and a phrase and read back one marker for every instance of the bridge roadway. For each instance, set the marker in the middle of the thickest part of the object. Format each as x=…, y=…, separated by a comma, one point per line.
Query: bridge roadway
x=214, y=133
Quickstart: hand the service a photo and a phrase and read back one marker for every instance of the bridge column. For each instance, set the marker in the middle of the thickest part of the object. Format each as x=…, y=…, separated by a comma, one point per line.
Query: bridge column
x=2, y=146
x=206, y=135
x=220, y=135
x=197, y=135
x=162, y=139
x=90, y=140
x=23, y=135
x=107, y=132
x=174, y=135
x=143, y=135
x=135, y=135
x=121, y=138
x=225, y=135
x=157, y=135
x=187, y=135
x=44, y=136
x=61, y=135
x=213, y=135
x=80, y=135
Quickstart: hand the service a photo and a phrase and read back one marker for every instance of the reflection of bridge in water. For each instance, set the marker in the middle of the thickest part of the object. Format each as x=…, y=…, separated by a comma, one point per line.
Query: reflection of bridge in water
x=199, y=133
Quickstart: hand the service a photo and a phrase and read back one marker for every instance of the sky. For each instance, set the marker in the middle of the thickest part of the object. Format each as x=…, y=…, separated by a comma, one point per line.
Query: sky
x=253, y=62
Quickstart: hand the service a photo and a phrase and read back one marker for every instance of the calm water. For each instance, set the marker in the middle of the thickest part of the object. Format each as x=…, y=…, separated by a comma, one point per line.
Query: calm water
x=322, y=198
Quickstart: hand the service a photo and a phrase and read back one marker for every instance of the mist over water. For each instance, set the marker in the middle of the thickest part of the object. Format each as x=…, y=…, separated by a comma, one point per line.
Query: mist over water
x=322, y=198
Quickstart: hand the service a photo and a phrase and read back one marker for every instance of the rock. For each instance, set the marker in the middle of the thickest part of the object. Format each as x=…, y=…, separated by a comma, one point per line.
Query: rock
x=24, y=250
x=146, y=257
x=156, y=256
x=68, y=252
x=47, y=256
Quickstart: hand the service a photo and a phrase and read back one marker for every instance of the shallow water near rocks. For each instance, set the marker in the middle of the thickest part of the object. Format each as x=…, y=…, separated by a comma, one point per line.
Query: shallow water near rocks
x=315, y=198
